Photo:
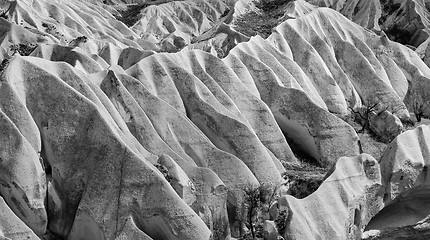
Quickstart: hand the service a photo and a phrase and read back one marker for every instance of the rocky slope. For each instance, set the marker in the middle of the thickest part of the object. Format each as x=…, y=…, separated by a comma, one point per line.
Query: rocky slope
x=117, y=132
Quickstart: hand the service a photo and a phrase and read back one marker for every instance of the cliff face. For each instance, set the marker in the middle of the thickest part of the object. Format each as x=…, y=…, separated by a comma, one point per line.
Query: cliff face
x=111, y=131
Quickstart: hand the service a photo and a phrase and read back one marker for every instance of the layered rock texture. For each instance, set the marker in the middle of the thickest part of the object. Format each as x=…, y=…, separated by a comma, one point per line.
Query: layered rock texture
x=154, y=127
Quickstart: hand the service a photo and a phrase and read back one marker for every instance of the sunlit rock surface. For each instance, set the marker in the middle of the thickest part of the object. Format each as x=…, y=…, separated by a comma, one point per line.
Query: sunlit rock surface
x=152, y=130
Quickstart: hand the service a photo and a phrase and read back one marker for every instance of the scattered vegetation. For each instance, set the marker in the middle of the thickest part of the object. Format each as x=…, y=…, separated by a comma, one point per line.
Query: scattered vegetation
x=362, y=116
x=369, y=142
x=164, y=171
x=281, y=221
x=419, y=107
x=306, y=177
x=4, y=64
x=131, y=14
x=254, y=208
x=303, y=183
x=75, y=42
x=262, y=22
x=22, y=49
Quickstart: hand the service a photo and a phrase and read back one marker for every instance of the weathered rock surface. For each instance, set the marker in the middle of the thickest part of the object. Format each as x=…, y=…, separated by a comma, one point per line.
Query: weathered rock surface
x=365, y=13
x=11, y=226
x=404, y=173
x=103, y=137
x=406, y=21
x=85, y=172
x=357, y=184
x=386, y=125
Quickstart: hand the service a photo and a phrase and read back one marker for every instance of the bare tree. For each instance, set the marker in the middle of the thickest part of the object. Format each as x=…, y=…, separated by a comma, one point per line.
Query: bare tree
x=253, y=202
x=365, y=116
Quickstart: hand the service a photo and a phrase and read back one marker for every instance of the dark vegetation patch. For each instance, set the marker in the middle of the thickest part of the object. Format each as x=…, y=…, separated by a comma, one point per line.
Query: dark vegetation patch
x=131, y=14
x=399, y=35
x=394, y=32
x=23, y=49
x=262, y=22
x=302, y=183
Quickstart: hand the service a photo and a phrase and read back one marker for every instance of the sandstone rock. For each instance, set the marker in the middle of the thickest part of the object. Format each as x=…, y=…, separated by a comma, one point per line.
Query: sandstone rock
x=214, y=118
x=85, y=189
x=313, y=65
x=404, y=169
x=354, y=189
x=213, y=73
x=269, y=230
x=386, y=125
x=213, y=125
x=11, y=227
x=67, y=54
x=366, y=13
x=179, y=180
x=183, y=137
x=406, y=21
x=186, y=26
x=305, y=129
x=356, y=47
x=273, y=210
x=22, y=177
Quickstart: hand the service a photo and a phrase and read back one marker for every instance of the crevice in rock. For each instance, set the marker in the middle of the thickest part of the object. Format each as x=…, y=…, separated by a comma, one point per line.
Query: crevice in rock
x=306, y=178
x=405, y=211
x=120, y=190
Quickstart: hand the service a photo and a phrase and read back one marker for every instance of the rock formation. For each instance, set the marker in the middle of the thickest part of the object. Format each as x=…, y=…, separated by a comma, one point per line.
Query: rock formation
x=149, y=120
x=404, y=175
x=322, y=215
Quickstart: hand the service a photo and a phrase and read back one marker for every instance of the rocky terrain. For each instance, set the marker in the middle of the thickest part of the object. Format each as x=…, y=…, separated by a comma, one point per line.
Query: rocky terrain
x=210, y=119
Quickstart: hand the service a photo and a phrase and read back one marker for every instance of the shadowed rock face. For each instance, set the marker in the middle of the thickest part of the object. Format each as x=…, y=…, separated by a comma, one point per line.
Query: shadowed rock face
x=104, y=137
x=12, y=226
x=404, y=170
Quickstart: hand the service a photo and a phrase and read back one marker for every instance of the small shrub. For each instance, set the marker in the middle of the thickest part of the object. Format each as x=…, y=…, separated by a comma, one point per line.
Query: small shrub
x=363, y=116
x=4, y=64
x=419, y=107
x=22, y=49
x=164, y=171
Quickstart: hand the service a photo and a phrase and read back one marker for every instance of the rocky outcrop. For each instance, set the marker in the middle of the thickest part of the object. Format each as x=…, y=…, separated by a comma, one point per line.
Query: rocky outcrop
x=405, y=21
x=404, y=174
x=22, y=178
x=341, y=207
x=11, y=226
x=93, y=157
x=103, y=137
x=385, y=125
x=176, y=23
